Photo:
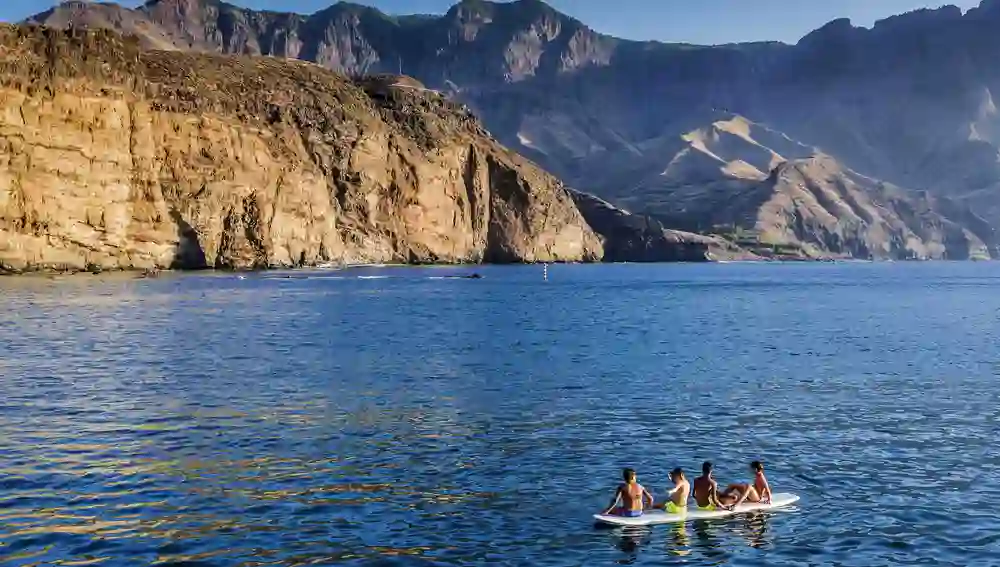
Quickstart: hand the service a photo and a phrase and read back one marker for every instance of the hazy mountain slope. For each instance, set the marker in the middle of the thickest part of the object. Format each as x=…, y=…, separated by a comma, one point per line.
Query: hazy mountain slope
x=817, y=206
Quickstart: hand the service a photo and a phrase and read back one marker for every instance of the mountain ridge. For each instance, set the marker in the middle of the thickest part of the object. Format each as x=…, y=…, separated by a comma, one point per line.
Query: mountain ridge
x=845, y=22
x=908, y=101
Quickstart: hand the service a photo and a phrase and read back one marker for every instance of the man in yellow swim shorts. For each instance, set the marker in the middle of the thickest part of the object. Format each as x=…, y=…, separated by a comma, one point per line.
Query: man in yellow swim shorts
x=677, y=499
x=706, y=492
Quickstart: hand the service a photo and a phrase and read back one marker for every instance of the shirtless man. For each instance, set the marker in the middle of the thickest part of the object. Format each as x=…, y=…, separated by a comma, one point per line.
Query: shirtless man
x=706, y=492
x=758, y=491
x=678, y=497
x=631, y=494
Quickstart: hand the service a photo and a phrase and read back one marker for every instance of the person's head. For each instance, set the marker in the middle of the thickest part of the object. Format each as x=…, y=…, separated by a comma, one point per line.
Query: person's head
x=628, y=475
x=706, y=468
x=757, y=467
x=677, y=475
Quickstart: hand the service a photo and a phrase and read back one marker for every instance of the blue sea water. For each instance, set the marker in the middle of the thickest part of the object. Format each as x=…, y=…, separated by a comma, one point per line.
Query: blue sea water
x=391, y=416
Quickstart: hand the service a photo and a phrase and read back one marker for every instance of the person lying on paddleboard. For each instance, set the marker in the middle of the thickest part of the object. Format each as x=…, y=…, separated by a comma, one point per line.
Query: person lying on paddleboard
x=677, y=499
x=758, y=491
x=631, y=494
x=706, y=492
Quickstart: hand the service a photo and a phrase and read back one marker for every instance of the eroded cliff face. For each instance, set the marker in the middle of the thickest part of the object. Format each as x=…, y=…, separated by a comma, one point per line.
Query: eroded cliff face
x=116, y=158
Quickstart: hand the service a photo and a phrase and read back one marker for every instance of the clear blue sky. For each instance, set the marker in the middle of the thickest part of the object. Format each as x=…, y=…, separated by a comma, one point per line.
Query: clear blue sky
x=694, y=21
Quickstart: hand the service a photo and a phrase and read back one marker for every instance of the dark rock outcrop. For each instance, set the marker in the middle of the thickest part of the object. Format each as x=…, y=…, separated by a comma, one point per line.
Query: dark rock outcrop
x=639, y=238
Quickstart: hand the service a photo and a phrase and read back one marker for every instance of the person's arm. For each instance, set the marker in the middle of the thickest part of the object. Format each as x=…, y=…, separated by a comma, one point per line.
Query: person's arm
x=713, y=497
x=614, y=501
x=766, y=496
x=744, y=494
x=646, y=494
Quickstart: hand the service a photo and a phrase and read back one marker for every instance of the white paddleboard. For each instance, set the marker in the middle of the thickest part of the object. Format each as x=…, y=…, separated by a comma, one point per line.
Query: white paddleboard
x=693, y=513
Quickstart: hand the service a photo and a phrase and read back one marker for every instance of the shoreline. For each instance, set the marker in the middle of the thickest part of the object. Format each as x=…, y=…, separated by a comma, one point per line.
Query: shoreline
x=135, y=273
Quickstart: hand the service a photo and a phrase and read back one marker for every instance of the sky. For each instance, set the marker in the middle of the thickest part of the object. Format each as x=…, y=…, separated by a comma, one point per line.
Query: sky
x=690, y=21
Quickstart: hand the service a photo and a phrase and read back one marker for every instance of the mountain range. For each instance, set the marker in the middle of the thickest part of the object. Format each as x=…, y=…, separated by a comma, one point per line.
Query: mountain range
x=870, y=143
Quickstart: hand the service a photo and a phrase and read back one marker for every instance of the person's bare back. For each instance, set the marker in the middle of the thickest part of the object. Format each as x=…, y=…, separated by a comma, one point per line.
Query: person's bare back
x=632, y=496
x=706, y=491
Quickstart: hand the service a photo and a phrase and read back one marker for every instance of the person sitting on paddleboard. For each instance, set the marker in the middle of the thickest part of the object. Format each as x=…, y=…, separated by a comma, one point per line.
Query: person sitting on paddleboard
x=678, y=497
x=758, y=491
x=706, y=492
x=631, y=494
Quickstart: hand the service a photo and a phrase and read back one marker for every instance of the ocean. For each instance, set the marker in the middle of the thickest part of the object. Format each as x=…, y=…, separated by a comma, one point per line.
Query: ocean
x=400, y=416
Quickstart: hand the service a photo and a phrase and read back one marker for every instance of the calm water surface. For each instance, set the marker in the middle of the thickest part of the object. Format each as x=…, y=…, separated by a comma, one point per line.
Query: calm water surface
x=388, y=416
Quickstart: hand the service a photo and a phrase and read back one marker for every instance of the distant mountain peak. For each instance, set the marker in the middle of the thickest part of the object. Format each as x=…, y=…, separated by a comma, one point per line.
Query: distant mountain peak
x=841, y=29
x=472, y=8
x=923, y=18
x=187, y=4
x=351, y=8
x=989, y=6
x=520, y=9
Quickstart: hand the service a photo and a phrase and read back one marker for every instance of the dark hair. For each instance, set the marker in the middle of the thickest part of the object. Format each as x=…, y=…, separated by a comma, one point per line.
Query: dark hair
x=628, y=474
x=757, y=466
x=706, y=467
x=678, y=473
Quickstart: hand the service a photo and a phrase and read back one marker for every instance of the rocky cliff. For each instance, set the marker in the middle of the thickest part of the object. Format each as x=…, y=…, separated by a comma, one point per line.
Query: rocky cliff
x=115, y=157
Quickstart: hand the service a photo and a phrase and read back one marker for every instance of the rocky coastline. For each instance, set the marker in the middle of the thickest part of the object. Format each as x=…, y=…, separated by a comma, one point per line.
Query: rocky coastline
x=116, y=158
x=195, y=134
